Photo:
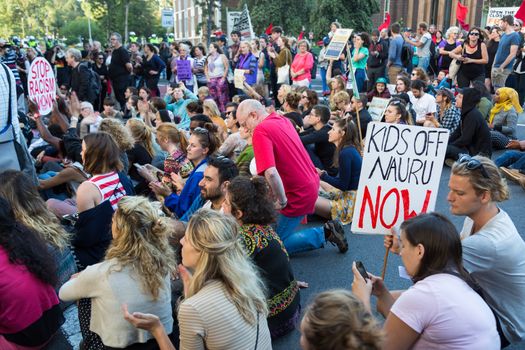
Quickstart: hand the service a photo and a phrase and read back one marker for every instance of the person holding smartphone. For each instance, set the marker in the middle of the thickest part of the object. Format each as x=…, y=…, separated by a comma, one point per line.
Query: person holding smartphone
x=441, y=309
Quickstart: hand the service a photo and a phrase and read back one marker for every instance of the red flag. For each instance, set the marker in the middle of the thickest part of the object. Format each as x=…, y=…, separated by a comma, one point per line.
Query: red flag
x=520, y=14
x=268, y=30
x=386, y=23
x=301, y=35
x=461, y=15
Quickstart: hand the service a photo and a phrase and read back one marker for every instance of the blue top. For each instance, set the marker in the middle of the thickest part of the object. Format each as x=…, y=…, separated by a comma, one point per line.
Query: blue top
x=179, y=204
x=248, y=62
x=196, y=205
x=179, y=108
x=394, y=51
x=506, y=41
x=349, y=170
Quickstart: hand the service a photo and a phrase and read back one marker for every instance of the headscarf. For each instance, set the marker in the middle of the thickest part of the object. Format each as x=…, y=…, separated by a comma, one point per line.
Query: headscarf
x=508, y=98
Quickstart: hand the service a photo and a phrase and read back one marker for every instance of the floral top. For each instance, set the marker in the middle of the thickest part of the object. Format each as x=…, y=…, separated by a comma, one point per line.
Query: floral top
x=267, y=250
x=178, y=163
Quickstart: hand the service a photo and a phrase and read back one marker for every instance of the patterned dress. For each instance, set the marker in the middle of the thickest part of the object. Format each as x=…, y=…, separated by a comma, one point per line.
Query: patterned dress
x=267, y=250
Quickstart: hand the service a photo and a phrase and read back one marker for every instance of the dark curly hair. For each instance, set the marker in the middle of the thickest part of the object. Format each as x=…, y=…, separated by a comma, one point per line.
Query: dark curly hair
x=25, y=247
x=252, y=198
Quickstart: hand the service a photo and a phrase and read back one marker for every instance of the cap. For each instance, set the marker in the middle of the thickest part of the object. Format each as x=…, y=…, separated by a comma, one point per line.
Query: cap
x=382, y=80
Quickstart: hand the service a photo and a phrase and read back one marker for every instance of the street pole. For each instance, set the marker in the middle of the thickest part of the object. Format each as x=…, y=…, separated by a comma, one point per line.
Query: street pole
x=126, y=22
x=89, y=31
x=209, y=22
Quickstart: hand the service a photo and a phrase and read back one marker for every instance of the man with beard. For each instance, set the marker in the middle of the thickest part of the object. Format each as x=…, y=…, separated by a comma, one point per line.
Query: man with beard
x=217, y=175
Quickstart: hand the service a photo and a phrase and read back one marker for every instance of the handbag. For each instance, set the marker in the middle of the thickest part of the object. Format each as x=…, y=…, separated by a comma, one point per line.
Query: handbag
x=283, y=73
x=454, y=67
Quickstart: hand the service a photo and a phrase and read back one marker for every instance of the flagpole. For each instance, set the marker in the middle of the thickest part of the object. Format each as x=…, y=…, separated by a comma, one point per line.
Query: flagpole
x=355, y=89
x=249, y=22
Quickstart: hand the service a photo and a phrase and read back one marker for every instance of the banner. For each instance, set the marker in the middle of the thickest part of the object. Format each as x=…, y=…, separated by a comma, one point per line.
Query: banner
x=244, y=24
x=495, y=14
x=337, y=44
x=231, y=18
x=42, y=85
x=400, y=175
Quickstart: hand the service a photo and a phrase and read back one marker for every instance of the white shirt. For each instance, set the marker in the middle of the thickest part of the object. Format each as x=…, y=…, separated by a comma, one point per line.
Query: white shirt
x=447, y=314
x=423, y=105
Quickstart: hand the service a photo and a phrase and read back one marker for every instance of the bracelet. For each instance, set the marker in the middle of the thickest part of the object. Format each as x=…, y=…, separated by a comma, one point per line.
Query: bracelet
x=283, y=204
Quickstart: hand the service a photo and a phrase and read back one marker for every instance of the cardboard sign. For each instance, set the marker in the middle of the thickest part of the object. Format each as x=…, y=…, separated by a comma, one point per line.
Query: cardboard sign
x=337, y=44
x=496, y=13
x=42, y=85
x=377, y=108
x=184, y=70
x=400, y=175
x=238, y=78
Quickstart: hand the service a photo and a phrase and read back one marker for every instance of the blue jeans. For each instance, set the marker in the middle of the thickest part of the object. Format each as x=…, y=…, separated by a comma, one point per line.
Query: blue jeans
x=301, y=241
x=323, y=79
x=424, y=62
x=360, y=79
x=512, y=160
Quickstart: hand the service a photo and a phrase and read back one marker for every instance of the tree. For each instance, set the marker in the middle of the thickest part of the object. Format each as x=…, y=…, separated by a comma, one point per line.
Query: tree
x=353, y=14
x=77, y=30
x=278, y=12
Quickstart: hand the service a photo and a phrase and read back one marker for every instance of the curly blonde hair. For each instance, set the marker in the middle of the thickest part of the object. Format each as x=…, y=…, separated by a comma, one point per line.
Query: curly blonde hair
x=142, y=243
x=119, y=132
x=336, y=319
x=30, y=209
x=223, y=258
x=142, y=134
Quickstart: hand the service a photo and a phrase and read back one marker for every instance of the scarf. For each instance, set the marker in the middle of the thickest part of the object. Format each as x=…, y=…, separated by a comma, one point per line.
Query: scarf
x=508, y=98
x=211, y=61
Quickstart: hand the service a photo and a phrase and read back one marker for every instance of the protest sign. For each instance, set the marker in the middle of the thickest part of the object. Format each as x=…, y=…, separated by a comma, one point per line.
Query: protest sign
x=244, y=24
x=238, y=78
x=377, y=108
x=337, y=44
x=167, y=18
x=184, y=70
x=231, y=18
x=400, y=175
x=42, y=85
x=496, y=13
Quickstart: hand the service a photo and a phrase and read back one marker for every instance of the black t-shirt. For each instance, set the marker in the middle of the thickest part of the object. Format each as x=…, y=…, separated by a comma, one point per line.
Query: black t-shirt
x=117, y=67
x=296, y=117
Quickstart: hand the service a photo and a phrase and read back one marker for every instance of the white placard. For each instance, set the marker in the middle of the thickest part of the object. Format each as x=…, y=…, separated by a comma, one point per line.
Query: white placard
x=400, y=175
x=42, y=85
x=495, y=14
x=167, y=18
x=377, y=108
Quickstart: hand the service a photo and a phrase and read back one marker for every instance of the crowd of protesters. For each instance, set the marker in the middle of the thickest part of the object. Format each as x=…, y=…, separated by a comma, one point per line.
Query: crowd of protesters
x=177, y=211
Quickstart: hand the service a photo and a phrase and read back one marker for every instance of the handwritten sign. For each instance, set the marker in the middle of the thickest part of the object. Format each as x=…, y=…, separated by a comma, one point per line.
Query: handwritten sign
x=337, y=44
x=42, y=85
x=400, y=175
x=184, y=70
x=238, y=78
x=496, y=13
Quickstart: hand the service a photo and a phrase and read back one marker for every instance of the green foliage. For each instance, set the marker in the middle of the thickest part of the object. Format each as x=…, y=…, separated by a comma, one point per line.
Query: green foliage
x=78, y=28
x=291, y=15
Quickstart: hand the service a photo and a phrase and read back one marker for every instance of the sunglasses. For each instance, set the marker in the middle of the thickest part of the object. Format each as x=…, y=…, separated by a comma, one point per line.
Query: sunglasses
x=473, y=164
x=475, y=34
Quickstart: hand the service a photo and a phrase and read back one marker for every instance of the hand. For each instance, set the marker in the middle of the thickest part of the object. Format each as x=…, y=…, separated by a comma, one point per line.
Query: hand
x=40, y=156
x=169, y=91
x=513, y=144
x=467, y=60
x=33, y=107
x=149, y=322
x=153, y=72
x=392, y=242
x=361, y=288
x=146, y=173
x=159, y=188
x=186, y=276
x=176, y=180
x=319, y=171
x=74, y=104
x=182, y=86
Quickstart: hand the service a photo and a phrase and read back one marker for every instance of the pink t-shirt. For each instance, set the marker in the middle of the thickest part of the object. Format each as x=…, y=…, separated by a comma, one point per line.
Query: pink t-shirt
x=448, y=314
x=23, y=297
x=305, y=62
x=277, y=144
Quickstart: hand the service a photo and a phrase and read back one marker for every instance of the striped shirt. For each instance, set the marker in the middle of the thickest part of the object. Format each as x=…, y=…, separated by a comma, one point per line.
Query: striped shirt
x=110, y=187
x=209, y=320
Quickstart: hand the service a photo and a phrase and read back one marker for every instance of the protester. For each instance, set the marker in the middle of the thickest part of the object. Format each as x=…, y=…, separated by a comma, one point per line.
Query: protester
x=395, y=64
x=492, y=48
x=379, y=89
x=506, y=53
x=248, y=200
x=302, y=65
x=432, y=256
x=234, y=144
x=377, y=59
x=30, y=316
x=177, y=100
x=315, y=139
x=447, y=46
x=216, y=70
x=396, y=113
x=448, y=116
x=359, y=59
x=473, y=56
x=308, y=100
x=80, y=77
x=423, y=103
x=423, y=45
x=153, y=65
x=503, y=117
x=119, y=68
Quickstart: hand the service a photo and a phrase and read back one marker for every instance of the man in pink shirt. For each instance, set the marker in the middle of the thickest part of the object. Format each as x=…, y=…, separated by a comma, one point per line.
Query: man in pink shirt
x=282, y=159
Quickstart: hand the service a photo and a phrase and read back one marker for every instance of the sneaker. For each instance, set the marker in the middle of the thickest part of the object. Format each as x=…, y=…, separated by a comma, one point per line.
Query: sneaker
x=449, y=162
x=335, y=234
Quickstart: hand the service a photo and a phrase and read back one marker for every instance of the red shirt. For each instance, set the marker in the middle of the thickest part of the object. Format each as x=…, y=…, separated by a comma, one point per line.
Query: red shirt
x=305, y=62
x=277, y=144
x=23, y=297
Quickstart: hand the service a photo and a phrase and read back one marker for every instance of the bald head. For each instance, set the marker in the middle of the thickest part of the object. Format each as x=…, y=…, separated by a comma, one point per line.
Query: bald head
x=250, y=113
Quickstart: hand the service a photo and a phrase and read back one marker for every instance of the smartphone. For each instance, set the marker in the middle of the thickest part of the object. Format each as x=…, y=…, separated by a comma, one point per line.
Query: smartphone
x=361, y=268
x=137, y=165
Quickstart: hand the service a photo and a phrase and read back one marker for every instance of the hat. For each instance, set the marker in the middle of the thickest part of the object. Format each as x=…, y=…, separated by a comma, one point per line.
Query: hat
x=222, y=38
x=382, y=80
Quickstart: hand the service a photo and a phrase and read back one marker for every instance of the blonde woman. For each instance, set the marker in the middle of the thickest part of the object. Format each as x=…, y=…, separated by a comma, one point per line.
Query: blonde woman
x=224, y=303
x=212, y=110
x=142, y=152
x=30, y=210
x=136, y=271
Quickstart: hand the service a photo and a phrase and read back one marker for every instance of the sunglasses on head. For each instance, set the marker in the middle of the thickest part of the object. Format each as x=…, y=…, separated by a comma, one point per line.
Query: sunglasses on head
x=473, y=164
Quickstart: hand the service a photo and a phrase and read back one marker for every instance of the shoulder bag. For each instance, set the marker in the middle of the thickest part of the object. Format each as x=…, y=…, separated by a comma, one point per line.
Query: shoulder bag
x=283, y=73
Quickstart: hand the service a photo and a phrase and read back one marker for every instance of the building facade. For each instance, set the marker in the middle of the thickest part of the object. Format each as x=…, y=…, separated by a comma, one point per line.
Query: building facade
x=188, y=16
x=442, y=13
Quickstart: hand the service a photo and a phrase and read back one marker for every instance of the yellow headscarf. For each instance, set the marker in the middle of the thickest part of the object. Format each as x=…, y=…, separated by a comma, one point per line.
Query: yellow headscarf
x=508, y=98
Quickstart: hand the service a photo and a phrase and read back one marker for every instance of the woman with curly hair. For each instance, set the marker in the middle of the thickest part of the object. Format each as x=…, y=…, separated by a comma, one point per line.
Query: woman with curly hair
x=135, y=271
x=248, y=200
x=223, y=298
x=30, y=314
x=339, y=309
x=30, y=210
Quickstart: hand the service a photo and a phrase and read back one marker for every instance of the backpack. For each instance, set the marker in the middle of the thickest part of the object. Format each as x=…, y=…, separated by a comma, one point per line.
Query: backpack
x=95, y=83
x=406, y=55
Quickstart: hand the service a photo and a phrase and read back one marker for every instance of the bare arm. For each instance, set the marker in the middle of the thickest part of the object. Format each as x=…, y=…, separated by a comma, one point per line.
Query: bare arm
x=64, y=176
x=276, y=184
x=510, y=57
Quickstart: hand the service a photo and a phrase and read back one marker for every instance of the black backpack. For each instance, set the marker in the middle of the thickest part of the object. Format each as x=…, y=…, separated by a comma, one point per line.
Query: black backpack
x=406, y=55
x=95, y=83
